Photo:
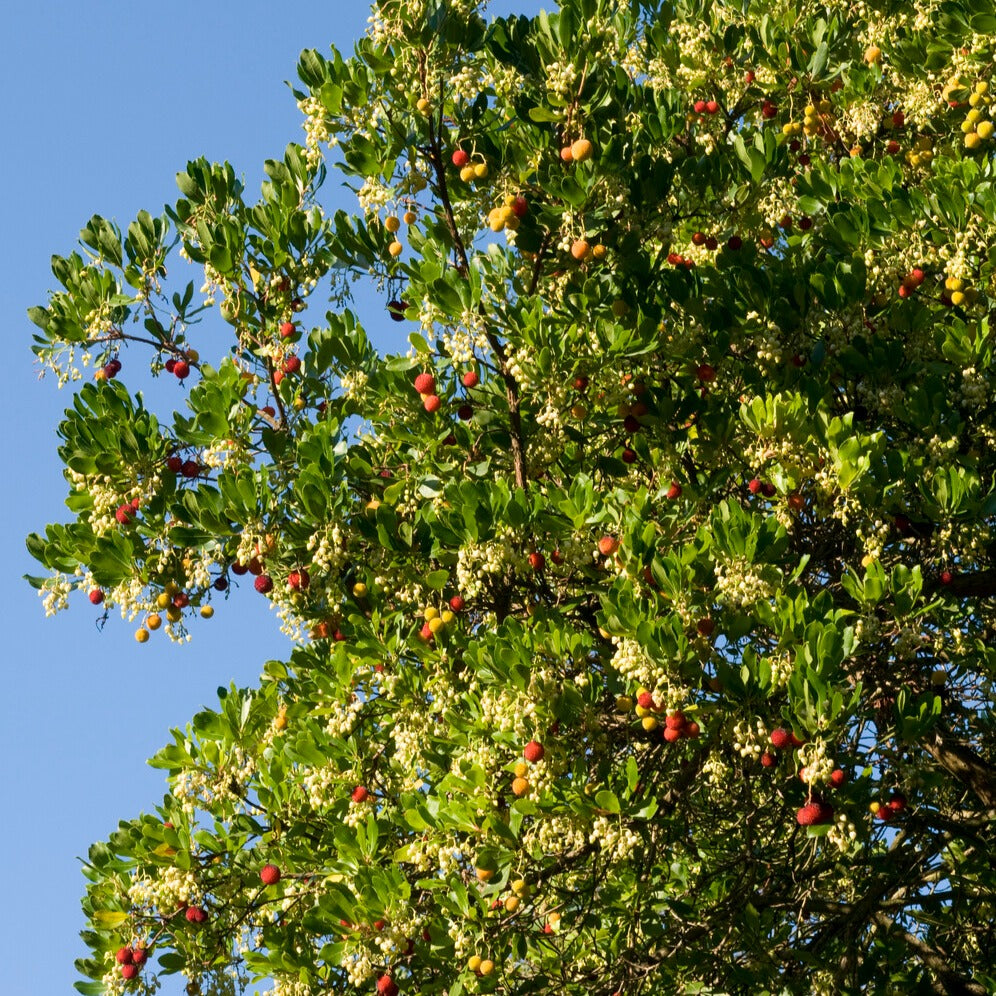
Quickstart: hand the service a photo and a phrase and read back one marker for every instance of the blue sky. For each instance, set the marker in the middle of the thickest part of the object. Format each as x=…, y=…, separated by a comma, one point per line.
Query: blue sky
x=104, y=103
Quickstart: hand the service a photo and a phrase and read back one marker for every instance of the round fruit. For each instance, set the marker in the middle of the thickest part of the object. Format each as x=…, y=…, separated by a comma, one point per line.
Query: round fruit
x=581, y=150
x=269, y=874
x=460, y=158
x=360, y=794
x=533, y=751
x=263, y=584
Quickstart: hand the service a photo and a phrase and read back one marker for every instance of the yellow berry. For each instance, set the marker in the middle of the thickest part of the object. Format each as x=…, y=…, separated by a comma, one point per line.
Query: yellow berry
x=649, y=723
x=486, y=967
x=410, y=217
x=447, y=617
x=424, y=105
x=485, y=874
x=480, y=171
x=163, y=600
x=873, y=55
x=392, y=223
x=982, y=87
x=624, y=703
x=435, y=625
x=430, y=613
x=581, y=150
x=521, y=769
x=520, y=887
x=474, y=962
x=958, y=297
x=359, y=590
x=953, y=283
x=975, y=99
x=512, y=903
x=874, y=807
x=973, y=115
x=984, y=129
x=142, y=635
x=395, y=248
x=467, y=174
x=153, y=622
x=173, y=614
x=207, y=611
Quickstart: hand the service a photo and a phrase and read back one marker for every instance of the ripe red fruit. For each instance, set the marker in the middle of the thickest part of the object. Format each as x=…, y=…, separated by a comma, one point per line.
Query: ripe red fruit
x=897, y=802
x=905, y=290
x=780, y=738
x=138, y=955
x=431, y=403
x=749, y=77
x=946, y=577
x=768, y=489
x=287, y=329
x=239, y=569
x=698, y=239
x=460, y=158
x=291, y=364
x=220, y=583
x=754, y=486
x=181, y=369
x=712, y=106
x=129, y=971
x=457, y=604
x=898, y=119
x=425, y=383
x=916, y=276
x=628, y=455
x=174, y=464
x=96, y=596
x=269, y=874
x=734, y=243
x=195, y=914
x=814, y=813
x=379, y=924
x=181, y=600
x=768, y=110
x=631, y=424
x=124, y=513
x=537, y=561
x=470, y=379
x=705, y=372
x=386, y=986
x=675, y=720
x=425, y=632
x=691, y=730
x=397, y=309
x=674, y=491
x=298, y=580
x=520, y=206
x=705, y=626
x=533, y=751
x=796, y=502
x=608, y=545
x=170, y=364
x=885, y=813
x=465, y=413
x=805, y=222
x=190, y=468
x=124, y=956
x=360, y=793
x=581, y=382
x=699, y=106
x=837, y=777
x=645, y=700
x=768, y=760
x=263, y=584
x=557, y=557
x=671, y=734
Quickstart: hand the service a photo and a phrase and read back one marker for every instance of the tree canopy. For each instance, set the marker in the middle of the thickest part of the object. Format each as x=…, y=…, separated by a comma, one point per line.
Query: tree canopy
x=640, y=614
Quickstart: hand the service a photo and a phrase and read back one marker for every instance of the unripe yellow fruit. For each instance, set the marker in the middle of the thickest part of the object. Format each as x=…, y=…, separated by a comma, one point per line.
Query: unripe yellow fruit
x=598, y=252
x=982, y=87
x=874, y=807
x=142, y=635
x=486, y=967
x=435, y=625
x=480, y=171
x=207, y=611
x=392, y=223
x=173, y=614
x=171, y=588
x=520, y=887
x=485, y=874
x=395, y=248
x=467, y=173
x=642, y=711
x=581, y=150
x=424, y=105
x=410, y=217
x=975, y=99
x=985, y=129
x=624, y=703
x=153, y=622
x=958, y=297
x=359, y=590
x=873, y=55
x=474, y=962
x=447, y=617
x=512, y=903
x=953, y=283
x=521, y=769
x=162, y=600
x=973, y=115
x=649, y=723
x=520, y=786
x=430, y=613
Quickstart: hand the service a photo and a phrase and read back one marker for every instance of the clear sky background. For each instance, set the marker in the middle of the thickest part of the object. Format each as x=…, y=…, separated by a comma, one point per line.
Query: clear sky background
x=103, y=103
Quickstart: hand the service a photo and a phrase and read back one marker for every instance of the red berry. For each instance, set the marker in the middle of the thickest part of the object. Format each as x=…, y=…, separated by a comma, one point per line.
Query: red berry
x=386, y=986
x=814, y=813
x=360, y=793
x=425, y=383
x=124, y=956
x=537, y=561
x=671, y=735
x=645, y=700
x=470, y=379
x=287, y=329
x=239, y=569
x=805, y=222
x=460, y=158
x=905, y=291
x=897, y=802
x=749, y=77
x=220, y=583
x=768, y=109
x=699, y=106
x=533, y=751
x=181, y=369
x=465, y=413
x=138, y=955
x=734, y=243
x=946, y=577
x=397, y=309
x=520, y=206
x=581, y=382
x=269, y=874
x=557, y=557
x=754, y=486
x=174, y=464
x=170, y=364
x=711, y=243
x=431, y=403
x=291, y=364
x=675, y=720
x=698, y=239
x=916, y=276
x=706, y=626
x=379, y=924
x=190, y=468
x=768, y=760
x=768, y=489
x=124, y=513
x=195, y=914
x=457, y=603
x=96, y=596
x=298, y=580
x=628, y=455
x=780, y=738
x=705, y=372
x=674, y=491
x=898, y=119
x=692, y=731
x=181, y=600
x=712, y=106
x=837, y=777
x=129, y=971
x=263, y=584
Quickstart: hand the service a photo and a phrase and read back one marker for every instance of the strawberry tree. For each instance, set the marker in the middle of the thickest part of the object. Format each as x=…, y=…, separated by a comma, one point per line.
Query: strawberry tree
x=640, y=613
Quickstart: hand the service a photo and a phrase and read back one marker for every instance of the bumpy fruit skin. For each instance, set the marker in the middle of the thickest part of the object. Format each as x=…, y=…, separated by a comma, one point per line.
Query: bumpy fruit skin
x=124, y=514
x=608, y=545
x=470, y=379
x=814, y=813
x=196, y=915
x=581, y=150
x=124, y=956
x=263, y=584
x=520, y=786
x=460, y=158
x=386, y=986
x=674, y=491
x=533, y=751
x=360, y=794
x=269, y=874
x=780, y=738
x=96, y=596
x=129, y=971
x=181, y=369
x=537, y=561
x=457, y=604
x=431, y=403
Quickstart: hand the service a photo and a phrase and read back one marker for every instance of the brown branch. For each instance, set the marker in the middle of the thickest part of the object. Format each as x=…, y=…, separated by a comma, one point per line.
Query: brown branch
x=963, y=763
x=949, y=982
